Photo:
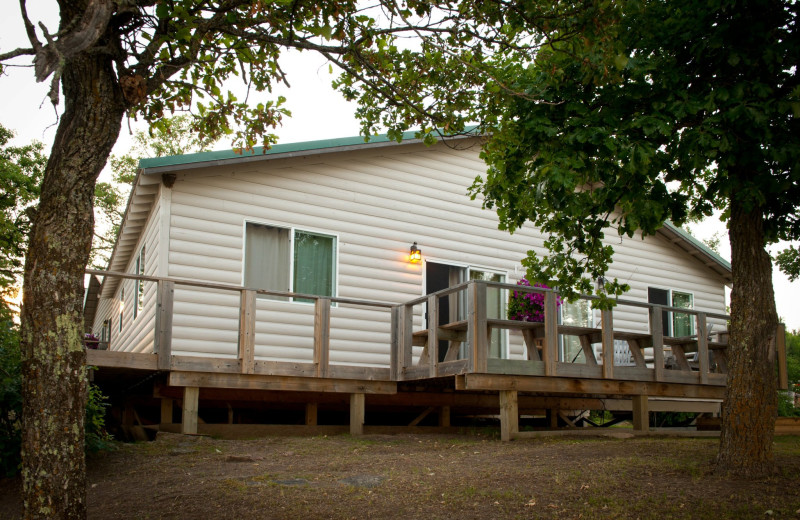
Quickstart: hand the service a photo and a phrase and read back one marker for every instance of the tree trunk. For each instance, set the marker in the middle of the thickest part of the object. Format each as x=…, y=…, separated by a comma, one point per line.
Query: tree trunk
x=750, y=406
x=54, y=383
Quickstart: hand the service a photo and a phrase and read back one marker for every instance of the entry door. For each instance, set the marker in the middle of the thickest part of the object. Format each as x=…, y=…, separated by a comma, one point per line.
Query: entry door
x=439, y=277
x=453, y=308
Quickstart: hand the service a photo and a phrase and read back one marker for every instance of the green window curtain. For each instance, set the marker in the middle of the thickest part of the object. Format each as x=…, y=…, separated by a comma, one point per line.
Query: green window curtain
x=266, y=260
x=682, y=324
x=314, y=264
x=495, y=309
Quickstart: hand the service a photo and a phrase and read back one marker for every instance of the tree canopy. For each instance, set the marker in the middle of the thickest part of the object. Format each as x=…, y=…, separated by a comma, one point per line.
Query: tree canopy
x=619, y=116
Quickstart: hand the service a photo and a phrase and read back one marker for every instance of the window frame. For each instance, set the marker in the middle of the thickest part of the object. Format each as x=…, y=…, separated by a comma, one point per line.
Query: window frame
x=291, y=260
x=671, y=321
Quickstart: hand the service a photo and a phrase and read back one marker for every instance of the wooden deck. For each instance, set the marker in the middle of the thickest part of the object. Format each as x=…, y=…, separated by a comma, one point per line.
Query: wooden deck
x=688, y=373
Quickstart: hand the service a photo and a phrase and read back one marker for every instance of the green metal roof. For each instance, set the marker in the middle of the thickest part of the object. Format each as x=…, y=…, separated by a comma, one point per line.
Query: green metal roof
x=225, y=155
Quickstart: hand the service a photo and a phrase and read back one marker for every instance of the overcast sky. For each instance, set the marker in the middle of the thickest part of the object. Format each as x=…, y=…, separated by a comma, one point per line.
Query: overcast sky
x=317, y=113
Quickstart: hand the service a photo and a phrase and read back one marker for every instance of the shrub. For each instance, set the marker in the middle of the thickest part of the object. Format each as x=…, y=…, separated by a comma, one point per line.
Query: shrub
x=11, y=405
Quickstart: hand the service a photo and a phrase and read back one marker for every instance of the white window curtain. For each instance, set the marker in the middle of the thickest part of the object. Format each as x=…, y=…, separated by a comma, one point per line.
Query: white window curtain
x=266, y=263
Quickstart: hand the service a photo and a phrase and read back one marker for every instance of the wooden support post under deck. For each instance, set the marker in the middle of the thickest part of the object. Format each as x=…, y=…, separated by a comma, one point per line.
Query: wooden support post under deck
x=247, y=331
x=165, y=296
x=444, y=416
x=191, y=397
x=641, y=415
x=657, y=331
x=166, y=410
x=607, y=334
x=550, y=350
x=357, y=414
x=477, y=329
x=702, y=347
x=311, y=414
x=780, y=345
x=322, y=335
x=509, y=415
x=433, y=335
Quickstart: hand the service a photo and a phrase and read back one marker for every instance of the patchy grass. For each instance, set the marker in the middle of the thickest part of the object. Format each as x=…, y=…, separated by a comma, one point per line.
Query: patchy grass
x=415, y=476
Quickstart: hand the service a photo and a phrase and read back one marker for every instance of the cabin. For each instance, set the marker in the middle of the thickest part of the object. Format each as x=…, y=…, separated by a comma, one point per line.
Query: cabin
x=351, y=267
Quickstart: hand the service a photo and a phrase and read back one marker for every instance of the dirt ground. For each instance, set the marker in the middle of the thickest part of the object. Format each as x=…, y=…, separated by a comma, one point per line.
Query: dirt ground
x=426, y=476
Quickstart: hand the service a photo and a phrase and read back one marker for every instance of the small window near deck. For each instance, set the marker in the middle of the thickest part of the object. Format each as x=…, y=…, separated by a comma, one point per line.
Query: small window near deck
x=266, y=258
x=139, y=268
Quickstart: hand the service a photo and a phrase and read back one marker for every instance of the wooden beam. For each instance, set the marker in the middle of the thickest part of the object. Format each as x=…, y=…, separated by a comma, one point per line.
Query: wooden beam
x=407, y=335
x=357, y=414
x=266, y=382
x=509, y=415
x=550, y=350
x=607, y=326
x=166, y=410
x=117, y=359
x=247, y=331
x=444, y=416
x=636, y=352
x=311, y=414
x=702, y=347
x=641, y=415
x=588, y=351
x=191, y=396
x=564, y=385
x=395, y=350
x=657, y=331
x=322, y=336
x=419, y=418
x=477, y=330
x=433, y=335
x=162, y=343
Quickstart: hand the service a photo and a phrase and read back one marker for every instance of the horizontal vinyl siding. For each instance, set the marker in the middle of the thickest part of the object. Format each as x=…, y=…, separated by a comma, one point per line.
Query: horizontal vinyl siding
x=138, y=333
x=377, y=204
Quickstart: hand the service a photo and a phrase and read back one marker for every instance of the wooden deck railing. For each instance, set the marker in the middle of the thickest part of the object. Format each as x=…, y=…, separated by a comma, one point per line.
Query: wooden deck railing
x=467, y=340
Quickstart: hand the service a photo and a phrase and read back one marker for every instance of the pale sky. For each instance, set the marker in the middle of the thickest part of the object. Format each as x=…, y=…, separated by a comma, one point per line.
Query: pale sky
x=318, y=112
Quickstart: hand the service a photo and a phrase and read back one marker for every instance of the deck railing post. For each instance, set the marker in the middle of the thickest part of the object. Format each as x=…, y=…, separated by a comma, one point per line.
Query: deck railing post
x=247, y=331
x=550, y=350
x=657, y=331
x=780, y=346
x=407, y=336
x=433, y=335
x=165, y=297
x=395, y=351
x=702, y=347
x=322, y=336
x=476, y=328
x=607, y=335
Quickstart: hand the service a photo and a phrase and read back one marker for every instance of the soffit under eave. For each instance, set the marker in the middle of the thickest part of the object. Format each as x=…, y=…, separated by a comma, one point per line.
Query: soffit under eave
x=140, y=204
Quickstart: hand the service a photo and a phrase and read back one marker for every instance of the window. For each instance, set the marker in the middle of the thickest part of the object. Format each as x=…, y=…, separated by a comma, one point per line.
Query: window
x=495, y=309
x=576, y=314
x=283, y=259
x=674, y=323
x=682, y=323
x=121, y=307
x=139, y=269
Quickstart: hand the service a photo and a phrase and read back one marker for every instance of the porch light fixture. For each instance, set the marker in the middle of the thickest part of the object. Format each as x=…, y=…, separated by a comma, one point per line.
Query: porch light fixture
x=415, y=254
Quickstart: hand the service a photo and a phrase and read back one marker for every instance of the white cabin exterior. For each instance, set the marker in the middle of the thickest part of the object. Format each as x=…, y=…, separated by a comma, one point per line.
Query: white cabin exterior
x=347, y=212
